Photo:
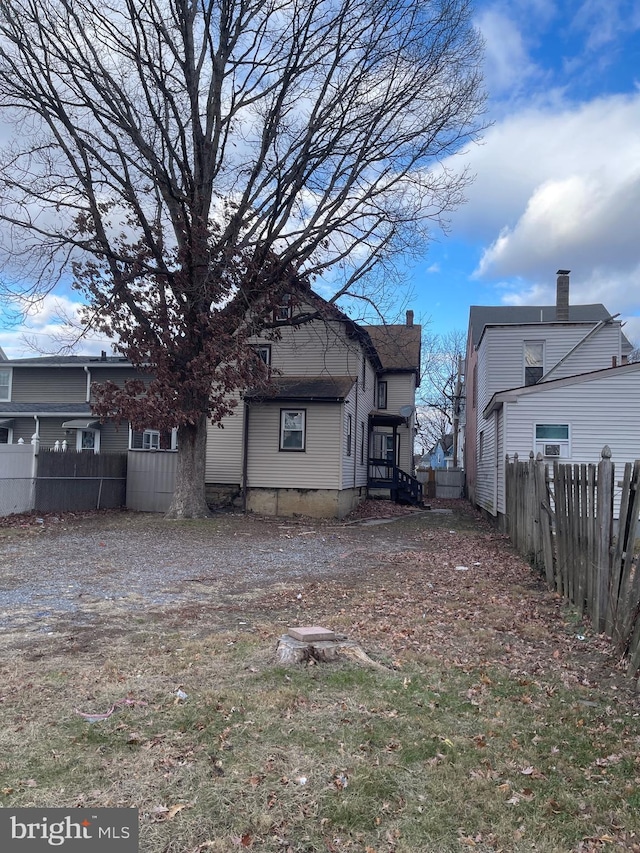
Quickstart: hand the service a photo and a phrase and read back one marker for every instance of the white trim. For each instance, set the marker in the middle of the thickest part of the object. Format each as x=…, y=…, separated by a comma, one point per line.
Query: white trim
x=8, y=370
x=96, y=440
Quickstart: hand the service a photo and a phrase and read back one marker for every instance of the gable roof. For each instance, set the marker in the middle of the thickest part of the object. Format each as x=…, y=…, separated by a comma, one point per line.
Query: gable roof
x=398, y=347
x=506, y=315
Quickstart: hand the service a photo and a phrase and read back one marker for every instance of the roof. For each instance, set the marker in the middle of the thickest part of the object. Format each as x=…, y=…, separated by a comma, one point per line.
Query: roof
x=398, y=346
x=67, y=361
x=499, y=315
x=326, y=389
x=52, y=409
x=513, y=394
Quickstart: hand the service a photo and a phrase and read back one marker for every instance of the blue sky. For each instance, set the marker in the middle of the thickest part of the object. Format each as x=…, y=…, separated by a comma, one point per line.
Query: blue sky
x=557, y=173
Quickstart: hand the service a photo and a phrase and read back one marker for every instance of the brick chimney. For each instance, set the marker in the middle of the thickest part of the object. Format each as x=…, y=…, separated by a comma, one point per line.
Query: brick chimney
x=562, y=296
x=409, y=318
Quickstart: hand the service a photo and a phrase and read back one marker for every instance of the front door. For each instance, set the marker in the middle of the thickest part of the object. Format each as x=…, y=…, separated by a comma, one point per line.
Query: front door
x=383, y=448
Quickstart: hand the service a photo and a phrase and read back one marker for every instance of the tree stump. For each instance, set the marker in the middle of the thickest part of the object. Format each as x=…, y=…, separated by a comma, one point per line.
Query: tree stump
x=290, y=651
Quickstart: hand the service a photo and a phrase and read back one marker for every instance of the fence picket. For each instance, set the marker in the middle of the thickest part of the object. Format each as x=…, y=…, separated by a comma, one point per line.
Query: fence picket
x=567, y=532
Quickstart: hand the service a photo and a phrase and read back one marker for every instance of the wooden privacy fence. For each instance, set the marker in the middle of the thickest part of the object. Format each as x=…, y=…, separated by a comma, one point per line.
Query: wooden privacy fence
x=564, y=524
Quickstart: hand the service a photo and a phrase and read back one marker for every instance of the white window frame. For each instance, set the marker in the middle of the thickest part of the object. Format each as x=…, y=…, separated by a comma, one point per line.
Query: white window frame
x=302, y=413
x=263, y=351
x=96, y=441
x=545, y=444
x=540, y=366
x=8, y=384
x=381, y=402
x=153, y=432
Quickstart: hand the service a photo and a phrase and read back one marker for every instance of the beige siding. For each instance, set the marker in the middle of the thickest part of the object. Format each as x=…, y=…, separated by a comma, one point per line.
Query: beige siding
x=358, y=404
x=49, y=385
x=224, y=448
x=318, y=467
x=316, y=349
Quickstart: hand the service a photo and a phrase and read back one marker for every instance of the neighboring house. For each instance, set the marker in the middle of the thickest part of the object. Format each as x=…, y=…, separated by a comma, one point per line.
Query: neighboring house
x=550, y=379
x=441, y=454
x=342, y=394
x=50, y=398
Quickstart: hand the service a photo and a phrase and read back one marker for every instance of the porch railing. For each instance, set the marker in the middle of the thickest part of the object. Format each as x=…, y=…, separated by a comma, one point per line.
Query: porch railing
x=403, y=487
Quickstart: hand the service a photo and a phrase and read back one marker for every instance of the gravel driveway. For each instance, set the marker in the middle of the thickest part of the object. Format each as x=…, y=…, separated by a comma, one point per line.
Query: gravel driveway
x=80, y=571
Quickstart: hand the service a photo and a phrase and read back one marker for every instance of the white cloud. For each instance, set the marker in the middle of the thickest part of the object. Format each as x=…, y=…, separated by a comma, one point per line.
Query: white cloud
x=48, y=325
x=559, y=188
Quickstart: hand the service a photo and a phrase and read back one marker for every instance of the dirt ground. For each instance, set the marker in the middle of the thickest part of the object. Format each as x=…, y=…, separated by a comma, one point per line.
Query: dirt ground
x=69, y=582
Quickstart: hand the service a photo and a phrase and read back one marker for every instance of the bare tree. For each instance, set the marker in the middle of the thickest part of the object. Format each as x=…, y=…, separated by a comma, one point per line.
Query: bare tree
x=188, y=158
x=439, y=399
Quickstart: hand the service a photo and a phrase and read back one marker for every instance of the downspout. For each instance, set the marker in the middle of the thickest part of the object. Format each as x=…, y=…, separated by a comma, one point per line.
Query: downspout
x=88, y=394
x=245, y=454
x=354, y=430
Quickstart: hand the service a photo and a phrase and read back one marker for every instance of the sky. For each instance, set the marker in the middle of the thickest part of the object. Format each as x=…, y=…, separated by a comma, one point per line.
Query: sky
x=557, y=175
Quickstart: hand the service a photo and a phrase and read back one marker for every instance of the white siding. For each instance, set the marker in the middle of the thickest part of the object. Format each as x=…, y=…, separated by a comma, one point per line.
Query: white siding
x=317, y=467
x=501, y=353
x=600, y=411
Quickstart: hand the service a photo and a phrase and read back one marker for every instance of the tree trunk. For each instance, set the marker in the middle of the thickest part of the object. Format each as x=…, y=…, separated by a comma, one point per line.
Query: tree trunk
x=189, y=493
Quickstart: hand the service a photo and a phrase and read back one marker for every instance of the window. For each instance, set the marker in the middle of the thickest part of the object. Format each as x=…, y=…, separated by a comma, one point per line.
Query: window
x=481, y=445
x=88, y=440
x=292, y=429
x=362, y=442
x=533, y=361
x=349, y=434
x=153, y=439
x=552, y=440
x=4, y=435
x=263, y=351
x=382, y=395
x=364, y=372
x=284, y=310
x=5, y=384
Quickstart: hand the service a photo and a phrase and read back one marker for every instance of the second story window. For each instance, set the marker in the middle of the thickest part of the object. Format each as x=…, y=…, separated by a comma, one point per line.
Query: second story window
x=5, y=384
x=382, y=395
x=533, y=361
x=263, y=351
x=284, y=310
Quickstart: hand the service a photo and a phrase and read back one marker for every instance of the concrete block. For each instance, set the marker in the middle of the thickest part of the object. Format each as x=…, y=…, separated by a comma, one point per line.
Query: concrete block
x=311, y=634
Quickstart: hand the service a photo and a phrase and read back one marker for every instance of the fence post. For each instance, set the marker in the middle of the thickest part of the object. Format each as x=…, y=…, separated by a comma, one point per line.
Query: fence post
x=545, y=520
x=604, y=533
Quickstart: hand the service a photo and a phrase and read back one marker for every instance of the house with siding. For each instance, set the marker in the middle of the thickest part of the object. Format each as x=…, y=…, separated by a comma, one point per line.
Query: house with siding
x=549, y=379
x=341, y=396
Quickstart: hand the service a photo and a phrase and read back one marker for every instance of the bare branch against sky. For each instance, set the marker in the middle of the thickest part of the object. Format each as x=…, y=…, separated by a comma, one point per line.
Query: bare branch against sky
x=184, y=155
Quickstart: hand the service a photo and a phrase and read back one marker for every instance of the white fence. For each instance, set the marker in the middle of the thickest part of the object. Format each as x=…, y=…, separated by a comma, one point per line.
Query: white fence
x=17, y=481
